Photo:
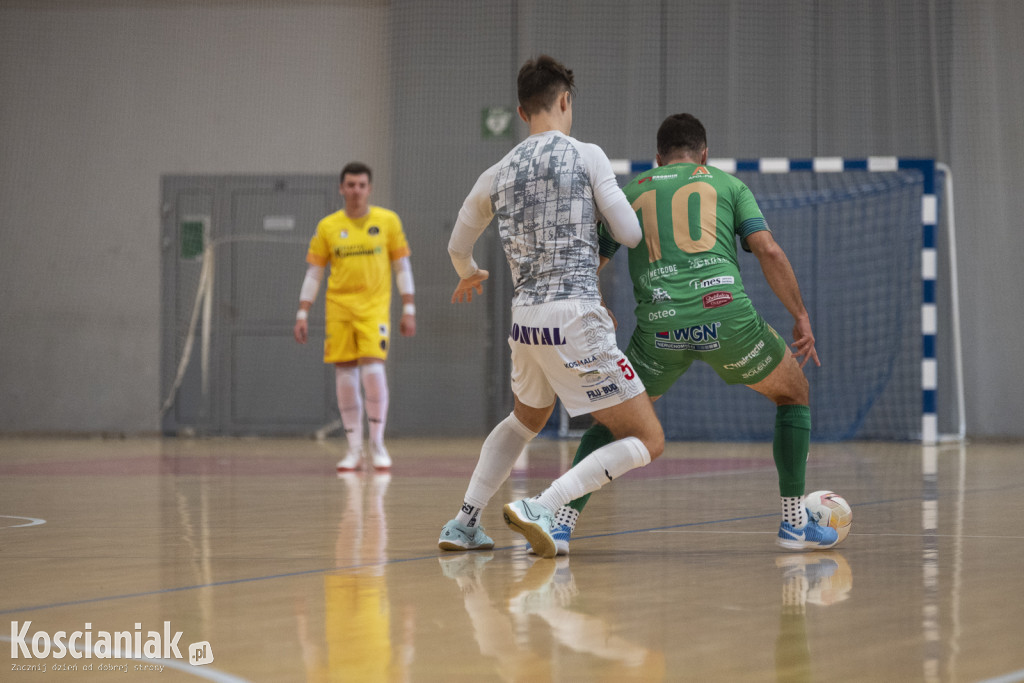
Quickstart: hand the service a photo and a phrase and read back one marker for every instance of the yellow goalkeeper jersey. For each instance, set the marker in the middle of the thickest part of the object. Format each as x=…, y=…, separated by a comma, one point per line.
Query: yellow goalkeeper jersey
x=360, y=252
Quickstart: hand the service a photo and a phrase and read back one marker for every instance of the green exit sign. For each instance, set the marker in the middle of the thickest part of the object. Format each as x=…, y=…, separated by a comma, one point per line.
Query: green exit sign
x=496, y=122
x=193, y=236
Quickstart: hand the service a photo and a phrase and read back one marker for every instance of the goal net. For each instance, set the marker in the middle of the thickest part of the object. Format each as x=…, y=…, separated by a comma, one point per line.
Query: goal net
x=861, y=238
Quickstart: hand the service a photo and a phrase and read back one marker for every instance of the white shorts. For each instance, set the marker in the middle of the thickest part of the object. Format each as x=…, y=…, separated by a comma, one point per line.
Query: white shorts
x=568, y=349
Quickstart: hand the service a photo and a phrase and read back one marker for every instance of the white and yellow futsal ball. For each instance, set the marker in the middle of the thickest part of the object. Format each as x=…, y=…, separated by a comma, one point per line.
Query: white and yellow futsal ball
x=828, y=508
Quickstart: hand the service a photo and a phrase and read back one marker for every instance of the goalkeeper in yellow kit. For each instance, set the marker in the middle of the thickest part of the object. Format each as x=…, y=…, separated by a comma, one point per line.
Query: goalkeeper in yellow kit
x=363, y=244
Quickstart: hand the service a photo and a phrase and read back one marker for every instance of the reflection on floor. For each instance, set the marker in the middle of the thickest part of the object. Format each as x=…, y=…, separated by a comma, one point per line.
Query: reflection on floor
x=267, y=561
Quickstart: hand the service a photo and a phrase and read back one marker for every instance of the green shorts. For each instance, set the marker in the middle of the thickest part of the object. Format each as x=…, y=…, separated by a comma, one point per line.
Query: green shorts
x=740, y=346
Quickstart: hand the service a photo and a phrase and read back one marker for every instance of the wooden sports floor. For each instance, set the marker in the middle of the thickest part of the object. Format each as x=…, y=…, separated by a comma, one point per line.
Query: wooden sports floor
x=259, y=554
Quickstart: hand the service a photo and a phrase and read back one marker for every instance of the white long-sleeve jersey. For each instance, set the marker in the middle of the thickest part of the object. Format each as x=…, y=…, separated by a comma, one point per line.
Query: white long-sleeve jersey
x=546, y=193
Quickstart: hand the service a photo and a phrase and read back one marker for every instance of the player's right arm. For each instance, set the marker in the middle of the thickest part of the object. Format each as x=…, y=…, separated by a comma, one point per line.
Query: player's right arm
x=474, y=216
x=307, y=295
x=780, y=276
x=317, y=258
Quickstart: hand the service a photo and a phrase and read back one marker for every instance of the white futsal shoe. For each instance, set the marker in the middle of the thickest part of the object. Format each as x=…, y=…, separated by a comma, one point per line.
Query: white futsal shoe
x=352, y=460
x=533, y=521
x=457, y=536
x=379, y=457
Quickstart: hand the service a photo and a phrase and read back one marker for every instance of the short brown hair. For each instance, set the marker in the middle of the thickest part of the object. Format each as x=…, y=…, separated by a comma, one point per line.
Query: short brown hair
x=541, y=81
x=356, y=168
x=681, y=132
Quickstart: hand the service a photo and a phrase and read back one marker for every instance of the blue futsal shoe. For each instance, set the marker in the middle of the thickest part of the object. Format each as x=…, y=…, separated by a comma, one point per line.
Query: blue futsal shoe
x=811, y=537
x=562, y=535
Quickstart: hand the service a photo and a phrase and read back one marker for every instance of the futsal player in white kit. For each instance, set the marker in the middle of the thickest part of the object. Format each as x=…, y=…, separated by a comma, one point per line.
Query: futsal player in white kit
x=547, y=194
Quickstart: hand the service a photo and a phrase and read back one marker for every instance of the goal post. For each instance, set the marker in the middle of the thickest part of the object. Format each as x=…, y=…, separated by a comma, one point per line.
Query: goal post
x=863, y=236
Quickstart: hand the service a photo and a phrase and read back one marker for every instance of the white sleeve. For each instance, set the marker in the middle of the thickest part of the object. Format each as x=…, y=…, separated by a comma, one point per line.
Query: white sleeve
x=474, y=216
x=622, y=223
x=311, y=283
x=611, y=202
x=403, y=275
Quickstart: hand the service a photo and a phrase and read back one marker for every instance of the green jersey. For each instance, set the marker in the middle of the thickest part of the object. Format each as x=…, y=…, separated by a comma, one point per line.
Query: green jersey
x=686, y=264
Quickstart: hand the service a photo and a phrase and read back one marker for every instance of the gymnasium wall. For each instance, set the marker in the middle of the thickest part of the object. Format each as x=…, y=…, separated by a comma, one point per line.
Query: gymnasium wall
x=101, y=97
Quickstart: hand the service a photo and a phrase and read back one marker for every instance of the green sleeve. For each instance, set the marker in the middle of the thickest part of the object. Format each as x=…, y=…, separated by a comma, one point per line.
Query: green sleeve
x=749, y=218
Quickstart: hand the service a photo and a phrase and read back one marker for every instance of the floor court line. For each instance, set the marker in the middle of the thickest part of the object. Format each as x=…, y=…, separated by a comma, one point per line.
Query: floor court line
x=1014, y=677
x=397, y=560
x=307, y=572
x=32, y=521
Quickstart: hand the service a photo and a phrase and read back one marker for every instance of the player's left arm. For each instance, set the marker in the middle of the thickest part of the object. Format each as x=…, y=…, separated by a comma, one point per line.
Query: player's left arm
x=617, y=215
x=402, y=269
x=780, y=276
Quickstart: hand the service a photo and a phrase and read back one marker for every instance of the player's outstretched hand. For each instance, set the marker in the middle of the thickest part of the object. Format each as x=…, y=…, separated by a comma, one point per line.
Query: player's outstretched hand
x=803, y=342
x=464, y=290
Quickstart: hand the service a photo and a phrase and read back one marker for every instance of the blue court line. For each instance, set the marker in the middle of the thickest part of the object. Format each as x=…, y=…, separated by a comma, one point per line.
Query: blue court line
x=401, y=560
x=230, y=582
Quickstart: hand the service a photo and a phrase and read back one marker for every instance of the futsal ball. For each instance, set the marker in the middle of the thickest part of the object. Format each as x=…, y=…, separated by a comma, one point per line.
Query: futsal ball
x=828, y=508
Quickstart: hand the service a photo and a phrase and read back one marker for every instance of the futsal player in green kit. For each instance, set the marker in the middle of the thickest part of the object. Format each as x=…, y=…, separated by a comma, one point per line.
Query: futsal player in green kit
x=691, y=305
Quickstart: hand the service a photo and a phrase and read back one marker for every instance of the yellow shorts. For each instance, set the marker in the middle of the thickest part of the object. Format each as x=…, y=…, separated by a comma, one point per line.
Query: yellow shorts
x=348, y=340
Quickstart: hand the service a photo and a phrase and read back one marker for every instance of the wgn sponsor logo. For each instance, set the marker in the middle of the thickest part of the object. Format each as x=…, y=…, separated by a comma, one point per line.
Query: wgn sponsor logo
x=694, y=338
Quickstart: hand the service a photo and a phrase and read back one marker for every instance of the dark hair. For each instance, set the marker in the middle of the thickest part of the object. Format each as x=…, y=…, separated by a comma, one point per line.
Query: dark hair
x=540, y=83
x=681, y=133
x=356, y=168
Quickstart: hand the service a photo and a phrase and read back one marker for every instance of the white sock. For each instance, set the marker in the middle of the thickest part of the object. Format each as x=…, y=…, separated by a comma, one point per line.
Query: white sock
x=793, y=511
x=350, y=404
x=375, y=386
x=597, y=469
x=500, y=451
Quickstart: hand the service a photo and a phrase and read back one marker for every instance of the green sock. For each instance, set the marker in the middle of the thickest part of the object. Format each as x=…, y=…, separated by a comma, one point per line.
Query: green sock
x=592, y=439
x=792, y=442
